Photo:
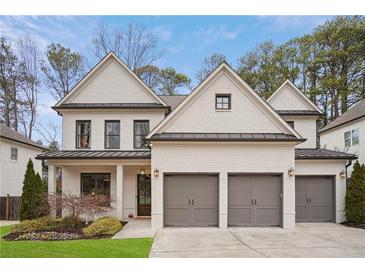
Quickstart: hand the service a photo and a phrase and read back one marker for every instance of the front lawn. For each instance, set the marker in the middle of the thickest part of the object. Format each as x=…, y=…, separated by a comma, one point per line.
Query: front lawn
x=102, y=248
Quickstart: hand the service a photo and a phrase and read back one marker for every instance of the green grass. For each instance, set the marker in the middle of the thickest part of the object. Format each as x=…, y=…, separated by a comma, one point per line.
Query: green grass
x=103, y=248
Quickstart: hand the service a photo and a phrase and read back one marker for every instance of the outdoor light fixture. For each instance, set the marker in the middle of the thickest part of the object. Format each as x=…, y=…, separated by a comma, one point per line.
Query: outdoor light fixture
x=291, y=172
x=156, y=172
x=142, y=171
x=343, y=174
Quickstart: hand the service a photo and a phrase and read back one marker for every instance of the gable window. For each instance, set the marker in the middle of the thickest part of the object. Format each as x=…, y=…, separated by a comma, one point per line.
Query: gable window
x=14, y=154
x=112, y=134
x=351, y=137
x=141, y=130
x=83, y=134
x=95, y=184
x=291, y=123
x=223, y=101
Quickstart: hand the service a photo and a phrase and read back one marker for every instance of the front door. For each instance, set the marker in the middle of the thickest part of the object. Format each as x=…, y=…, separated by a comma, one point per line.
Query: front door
x=143, y=195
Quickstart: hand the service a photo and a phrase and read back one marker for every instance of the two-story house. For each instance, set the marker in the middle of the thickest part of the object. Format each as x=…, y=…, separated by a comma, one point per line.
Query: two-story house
x=347, y=132
x=221, y=156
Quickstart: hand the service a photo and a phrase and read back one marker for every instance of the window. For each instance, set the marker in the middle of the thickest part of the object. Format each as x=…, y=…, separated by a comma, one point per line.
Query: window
x=355, y=136
x=83, y=132
x=141, y=130
x=14, y=153
x=223, y=101
x=112, y=134
x=95, y=183
x=351, y=137
x=291, y=123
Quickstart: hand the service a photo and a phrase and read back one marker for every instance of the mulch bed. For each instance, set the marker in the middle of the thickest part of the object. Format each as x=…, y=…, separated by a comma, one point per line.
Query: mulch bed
x=56, y=234
x=362, y=226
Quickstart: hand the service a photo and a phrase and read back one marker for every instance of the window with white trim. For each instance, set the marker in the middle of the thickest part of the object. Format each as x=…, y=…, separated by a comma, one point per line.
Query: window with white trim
x=355, y=136
x=14, y=154
x=352, y=137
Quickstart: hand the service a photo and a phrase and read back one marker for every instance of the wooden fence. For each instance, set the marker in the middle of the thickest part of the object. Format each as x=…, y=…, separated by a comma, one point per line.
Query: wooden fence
x=10, y=208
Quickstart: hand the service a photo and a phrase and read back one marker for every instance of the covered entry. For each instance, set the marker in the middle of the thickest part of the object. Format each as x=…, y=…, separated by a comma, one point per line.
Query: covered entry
x=254, y=200
x=191, y=200
x=314, y=199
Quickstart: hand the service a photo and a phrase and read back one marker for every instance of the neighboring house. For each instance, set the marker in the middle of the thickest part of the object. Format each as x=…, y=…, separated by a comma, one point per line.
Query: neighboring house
x=221, y=156
x=15, y=151
x=347, y=132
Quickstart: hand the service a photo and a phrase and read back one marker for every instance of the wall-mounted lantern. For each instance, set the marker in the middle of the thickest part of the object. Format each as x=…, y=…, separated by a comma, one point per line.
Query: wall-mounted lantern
x=343, y=174
x=156, y=172
x=142, y=171
x=291, y=172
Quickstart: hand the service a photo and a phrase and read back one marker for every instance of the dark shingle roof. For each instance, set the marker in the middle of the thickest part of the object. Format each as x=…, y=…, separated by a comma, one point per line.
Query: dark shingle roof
x=96, y=154
x=354, y=113
x=10, y=134
x=321, y=153
x=111, y=106
x=299, y=112
x=225, y=137
x=173, y=100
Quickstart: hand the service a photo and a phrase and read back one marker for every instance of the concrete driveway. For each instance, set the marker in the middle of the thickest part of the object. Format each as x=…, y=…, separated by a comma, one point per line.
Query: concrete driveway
x=322, y=240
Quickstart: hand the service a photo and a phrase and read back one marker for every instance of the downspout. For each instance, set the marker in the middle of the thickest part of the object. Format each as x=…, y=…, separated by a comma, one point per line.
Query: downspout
x=347, y=165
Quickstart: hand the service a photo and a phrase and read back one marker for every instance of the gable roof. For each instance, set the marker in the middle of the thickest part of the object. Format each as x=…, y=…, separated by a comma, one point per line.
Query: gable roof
x=227, y=68
x=354, y=113
x=173, y=100
x=298, y=93
x=10, y=134
x=90, y=74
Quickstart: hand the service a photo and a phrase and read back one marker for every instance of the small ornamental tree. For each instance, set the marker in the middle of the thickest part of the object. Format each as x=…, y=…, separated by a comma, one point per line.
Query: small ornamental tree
x=355, y=196
x=34, y=199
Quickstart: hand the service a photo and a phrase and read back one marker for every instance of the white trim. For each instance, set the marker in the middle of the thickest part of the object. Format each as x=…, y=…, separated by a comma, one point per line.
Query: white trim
x=199, y=88
x=97, y=66
x=301, y=96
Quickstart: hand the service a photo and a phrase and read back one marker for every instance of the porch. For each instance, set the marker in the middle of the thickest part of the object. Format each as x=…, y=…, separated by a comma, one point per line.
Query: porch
x=128, y=183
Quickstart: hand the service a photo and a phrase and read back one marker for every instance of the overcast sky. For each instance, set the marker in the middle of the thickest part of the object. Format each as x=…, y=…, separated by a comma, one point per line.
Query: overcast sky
x=185, y=39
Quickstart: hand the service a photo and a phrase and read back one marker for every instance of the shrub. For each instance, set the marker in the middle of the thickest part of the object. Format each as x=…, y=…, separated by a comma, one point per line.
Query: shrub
x=355, y=195
x=35, y=225
x=72, y=222
x=105, y=226
x=34, y=198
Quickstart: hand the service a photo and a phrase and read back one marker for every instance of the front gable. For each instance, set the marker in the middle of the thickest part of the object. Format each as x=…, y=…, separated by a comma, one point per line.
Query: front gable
x=248, y=114
x=111, y=82
x=289, y=97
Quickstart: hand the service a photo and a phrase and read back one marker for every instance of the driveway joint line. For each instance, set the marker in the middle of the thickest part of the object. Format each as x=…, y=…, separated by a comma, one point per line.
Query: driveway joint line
x=238, y=239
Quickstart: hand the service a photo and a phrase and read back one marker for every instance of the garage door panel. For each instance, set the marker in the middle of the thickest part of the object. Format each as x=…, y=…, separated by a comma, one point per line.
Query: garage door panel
x=267, y=217
x=267, y=191
x=177, y=217
x=301, y=211
x=240, y=216
x=205, y=217
x=321, y=214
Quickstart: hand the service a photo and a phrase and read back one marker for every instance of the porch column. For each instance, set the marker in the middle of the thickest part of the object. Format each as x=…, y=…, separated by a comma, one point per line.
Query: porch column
x=52, y=186
x=223, y=200
x=119, y=194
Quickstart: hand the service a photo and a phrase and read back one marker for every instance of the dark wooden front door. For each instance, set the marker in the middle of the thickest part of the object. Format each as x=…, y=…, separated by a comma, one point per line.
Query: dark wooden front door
x=143, y=195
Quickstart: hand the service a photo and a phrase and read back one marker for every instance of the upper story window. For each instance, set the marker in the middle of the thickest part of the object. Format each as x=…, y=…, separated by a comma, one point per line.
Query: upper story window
x=141, y=130
x=112, y=134
x=14, y=153
x=83, y=134
x=291, y=123
x=351, y=137
x=223, y=101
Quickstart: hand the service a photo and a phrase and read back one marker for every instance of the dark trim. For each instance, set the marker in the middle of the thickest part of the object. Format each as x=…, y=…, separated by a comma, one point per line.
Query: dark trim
x=223, y=95
x=300, y=114
x=109, y=106
x=21, y=142
x=44, y=156
x=226, y=140
x=134, y=132
x=344, y=123
x=76, y=143
x=107, y=121
x=323, y=158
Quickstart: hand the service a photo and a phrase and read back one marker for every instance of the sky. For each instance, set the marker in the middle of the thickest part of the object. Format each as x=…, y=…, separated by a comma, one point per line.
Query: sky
x=186, y=40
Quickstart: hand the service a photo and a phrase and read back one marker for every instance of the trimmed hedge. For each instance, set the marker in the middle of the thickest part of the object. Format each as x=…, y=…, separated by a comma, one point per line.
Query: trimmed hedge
x=104, y=226
x=35, y=225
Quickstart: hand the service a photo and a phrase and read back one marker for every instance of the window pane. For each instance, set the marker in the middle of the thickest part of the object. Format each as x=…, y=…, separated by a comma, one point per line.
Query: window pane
x=83, y=134
x=348, y=143
x=355, y=137
x=225, y=100
x=141, y=130
x=14, y=153
x=95, y=184
x=347, y=135
x=222, y=102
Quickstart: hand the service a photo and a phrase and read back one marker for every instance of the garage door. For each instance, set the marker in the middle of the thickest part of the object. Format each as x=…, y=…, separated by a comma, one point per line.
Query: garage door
x=191, y=200
x=254, y=200
x=314, y=199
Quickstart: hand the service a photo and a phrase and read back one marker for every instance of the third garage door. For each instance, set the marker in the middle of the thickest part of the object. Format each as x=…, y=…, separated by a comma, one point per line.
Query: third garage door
x=254, y=200
x=191, y=200
x=314, y=199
